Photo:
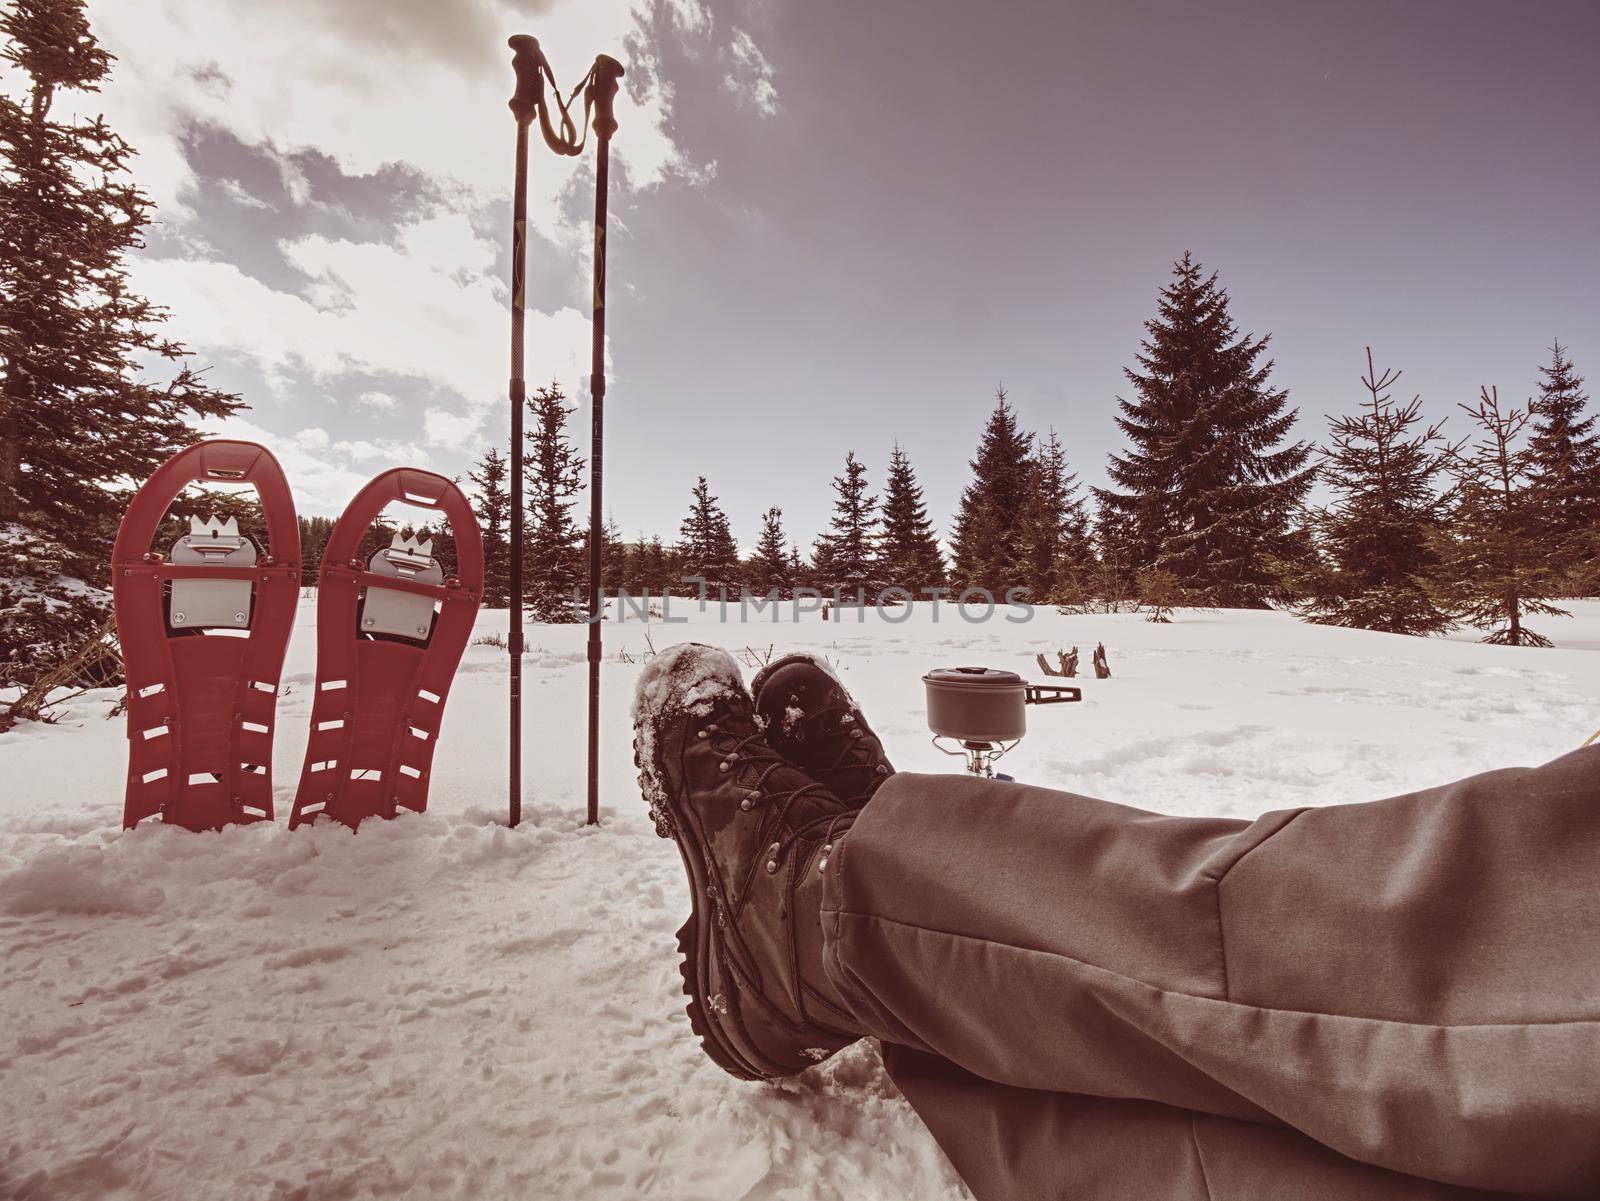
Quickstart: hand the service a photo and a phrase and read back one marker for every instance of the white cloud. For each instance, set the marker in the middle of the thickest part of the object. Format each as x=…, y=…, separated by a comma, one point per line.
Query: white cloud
x=451, y=430
x=371, y=82
x=750, y=78
x=320, y=483
x=387, y=451
x=447, y=243
x=380, y=401
x=234, y=191
x=372, y=309
x=323, y=474
x=692, y=16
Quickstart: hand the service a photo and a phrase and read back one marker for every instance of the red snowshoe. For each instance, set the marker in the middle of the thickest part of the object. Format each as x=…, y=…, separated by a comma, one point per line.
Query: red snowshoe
x=203, y=633
x=390, y=633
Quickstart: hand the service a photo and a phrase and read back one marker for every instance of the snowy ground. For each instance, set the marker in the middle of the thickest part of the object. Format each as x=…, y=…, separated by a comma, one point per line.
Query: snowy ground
x=440, y=1007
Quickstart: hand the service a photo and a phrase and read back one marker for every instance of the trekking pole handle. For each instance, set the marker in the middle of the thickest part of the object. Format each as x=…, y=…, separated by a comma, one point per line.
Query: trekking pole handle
x=603, y=87
x=527, y=60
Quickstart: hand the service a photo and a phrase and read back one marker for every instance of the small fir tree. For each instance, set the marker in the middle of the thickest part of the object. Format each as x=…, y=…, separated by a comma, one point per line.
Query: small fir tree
x=1378, y=540
x=1112, y=583
x=705, y=543
x=987, y=543
x=1209, y=484
x=613, y=558
x=492, y=505
x=770, y=569
x=314, y=533
x=1564, y=468
x=799, y=568
x=1160, y=594
x=847, y=555
x=911, y=558
x=632, y=566
x=647, y=568
x=1492, y=573
x=1056, y=549
x=553, y=546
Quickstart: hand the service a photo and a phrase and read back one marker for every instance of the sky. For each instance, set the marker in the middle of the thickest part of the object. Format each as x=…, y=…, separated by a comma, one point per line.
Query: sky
x=838, y=224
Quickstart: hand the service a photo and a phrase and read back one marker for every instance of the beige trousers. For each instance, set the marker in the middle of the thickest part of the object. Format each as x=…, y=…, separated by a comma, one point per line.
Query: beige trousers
x=1390, y=1000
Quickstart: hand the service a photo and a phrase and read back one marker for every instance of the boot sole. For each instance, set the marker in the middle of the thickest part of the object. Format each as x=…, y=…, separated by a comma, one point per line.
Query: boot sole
x=694, y=950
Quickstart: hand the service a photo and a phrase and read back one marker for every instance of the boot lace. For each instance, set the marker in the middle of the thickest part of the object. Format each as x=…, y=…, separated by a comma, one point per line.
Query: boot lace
x=752, y=750
x=856, y=754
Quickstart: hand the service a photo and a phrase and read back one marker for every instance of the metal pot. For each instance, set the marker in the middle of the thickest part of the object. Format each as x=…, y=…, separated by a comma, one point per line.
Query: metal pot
x=985, y=704
x=976, y=704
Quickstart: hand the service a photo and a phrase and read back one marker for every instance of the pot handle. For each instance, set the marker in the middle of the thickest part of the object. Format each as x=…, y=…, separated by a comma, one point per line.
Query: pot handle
x=1051, y=694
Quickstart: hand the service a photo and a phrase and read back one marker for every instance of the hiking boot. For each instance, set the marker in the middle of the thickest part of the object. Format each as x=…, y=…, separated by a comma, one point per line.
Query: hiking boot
x=755, y=833
x=812, y=720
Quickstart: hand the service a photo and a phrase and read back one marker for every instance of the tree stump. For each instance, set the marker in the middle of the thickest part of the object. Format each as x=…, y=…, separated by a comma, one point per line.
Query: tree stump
x=1102, y=669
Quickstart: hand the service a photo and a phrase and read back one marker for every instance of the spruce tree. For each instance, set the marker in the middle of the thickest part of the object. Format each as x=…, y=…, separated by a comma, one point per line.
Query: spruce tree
x=633, y=566
x=645, y=568
x=705, y=544
x=1564, y=468
x=769, y=569
x=492, y=505
x=613, y=557
x=553, y=548
x=1209, y=485
x=987, y=543
x=662, y=567
x=1113, y=582
x=847, y=554
x=1378, y=540
x=911, y=557
x=1492, y=572
x=81, y=421
x=314, y=532
x=1057, y=554
x=1160, y=594
x=800, y=573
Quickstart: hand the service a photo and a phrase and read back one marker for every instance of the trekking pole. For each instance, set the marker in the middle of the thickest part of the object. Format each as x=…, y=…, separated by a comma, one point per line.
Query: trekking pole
x=528, y=64
x=602, y=92
x=599, y=89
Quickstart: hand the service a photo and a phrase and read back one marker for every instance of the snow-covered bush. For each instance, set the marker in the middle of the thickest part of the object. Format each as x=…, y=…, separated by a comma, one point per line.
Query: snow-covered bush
x=46, y=615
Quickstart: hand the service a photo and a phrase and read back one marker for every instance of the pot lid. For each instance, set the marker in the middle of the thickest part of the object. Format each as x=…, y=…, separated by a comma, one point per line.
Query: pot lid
x=974, y=677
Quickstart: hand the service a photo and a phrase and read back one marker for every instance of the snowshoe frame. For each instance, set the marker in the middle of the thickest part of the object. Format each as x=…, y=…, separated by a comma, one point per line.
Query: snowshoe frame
x=201, y=707
x=379, y=702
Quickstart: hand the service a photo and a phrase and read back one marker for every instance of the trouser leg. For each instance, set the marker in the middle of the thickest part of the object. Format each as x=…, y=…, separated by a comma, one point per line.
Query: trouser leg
x=1414, y=983
x=1017, y=1144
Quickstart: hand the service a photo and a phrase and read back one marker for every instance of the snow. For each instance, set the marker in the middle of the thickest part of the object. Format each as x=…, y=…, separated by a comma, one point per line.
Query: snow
x=440, y=1007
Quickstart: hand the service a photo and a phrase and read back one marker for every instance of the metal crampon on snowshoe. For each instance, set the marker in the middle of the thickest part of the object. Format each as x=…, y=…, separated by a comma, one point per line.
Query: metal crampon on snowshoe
x=390, y=634
x=203, y=633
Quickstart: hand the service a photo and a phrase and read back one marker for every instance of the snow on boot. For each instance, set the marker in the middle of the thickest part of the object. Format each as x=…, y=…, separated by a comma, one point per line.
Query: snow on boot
x=814, y=722
x=755, y=833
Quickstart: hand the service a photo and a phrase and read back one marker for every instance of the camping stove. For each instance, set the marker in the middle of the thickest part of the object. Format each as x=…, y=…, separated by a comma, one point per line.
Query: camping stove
x=984, y=711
